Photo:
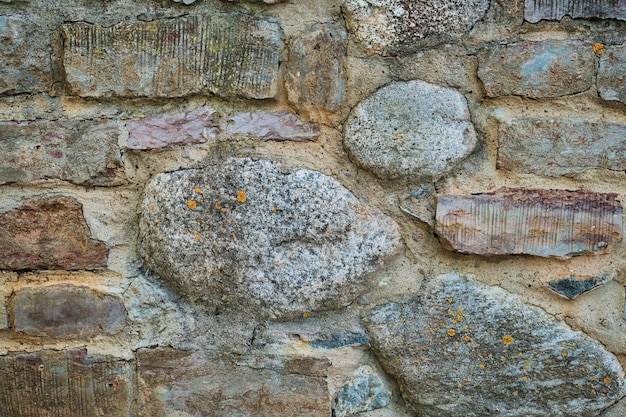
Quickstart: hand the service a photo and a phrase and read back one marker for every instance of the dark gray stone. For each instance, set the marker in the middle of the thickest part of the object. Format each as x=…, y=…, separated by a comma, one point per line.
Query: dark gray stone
x=572, y=287
x=366, y=391
x=612, y=74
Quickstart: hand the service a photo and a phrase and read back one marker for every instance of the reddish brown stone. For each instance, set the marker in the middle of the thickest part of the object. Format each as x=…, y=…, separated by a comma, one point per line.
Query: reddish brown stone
x=49, y=234
x=556, y=223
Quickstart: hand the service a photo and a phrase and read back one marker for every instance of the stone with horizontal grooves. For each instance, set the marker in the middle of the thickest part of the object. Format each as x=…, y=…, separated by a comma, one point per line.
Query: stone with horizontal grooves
x=49, y=233
x=82, y=152
x=536, y=10
x=550, y=68
x=66, y=383
x=612, y=73
x=228, y=55
x=70, y=312
x=255, y=237
x=556, y=146
x=461, y=347
x=556, y=223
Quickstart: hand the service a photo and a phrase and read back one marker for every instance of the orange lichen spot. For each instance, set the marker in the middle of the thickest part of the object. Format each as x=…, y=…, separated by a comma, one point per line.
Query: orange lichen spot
x=306, y=314
x=507, y=340
x=187, y=231
x=536, y=391
x=198, y=190
x=450, y=313
x=442, y=324
x=599, y=48
x=524, y=368
x=564, y=354
x=515, y=393
x=217, y=272
x=481, y=366
x=525, y=378
x=527, y=361
x=396, y=133
x=241, y=196
x=451, y=332
x=459, y=312
x=274, y=209
x=607, y=380
x=450, y=300
x=192, y=204
x=197, y=236
x=593, y=391
x=466, y=338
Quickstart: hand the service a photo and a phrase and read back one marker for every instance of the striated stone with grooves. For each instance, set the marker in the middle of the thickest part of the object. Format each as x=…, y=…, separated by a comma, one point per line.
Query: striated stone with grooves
x=67, y=383
x=49, y=233
x=229, y=55
x=463, y=348
x=255, y=238
x=555, y=223
x=612, y=73
x=536, y=10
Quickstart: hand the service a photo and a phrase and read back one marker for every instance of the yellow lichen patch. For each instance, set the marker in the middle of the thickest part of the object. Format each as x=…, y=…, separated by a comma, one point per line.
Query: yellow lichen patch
x=217, y=272
x=450, y=300
x=241, y=196
x=507, y=340
x=515, y=393
x=451, y=332
x=481, y=366
x=192, y=204
x=525, y=378
x=198, y=190
x=564, y=354
x=466, y=338
x=607, y=380
x=599, y=48
x=197, y=236
x=274, y=209
x=306, y=314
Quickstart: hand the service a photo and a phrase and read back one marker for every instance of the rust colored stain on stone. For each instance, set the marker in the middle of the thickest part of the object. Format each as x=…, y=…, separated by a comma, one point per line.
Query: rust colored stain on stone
x=49, y=234
x=68, y=383
x=555, y=223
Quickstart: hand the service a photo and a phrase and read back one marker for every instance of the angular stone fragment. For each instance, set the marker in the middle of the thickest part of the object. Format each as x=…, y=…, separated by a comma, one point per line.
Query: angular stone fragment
x=278, y=126
x=64, y=383
x=411, y=130
x=555, y=223
x=228, y=55
x=393, y=27
x=612, y=73
x=556, y=146
x=49, y=233
x=316, y=76
x=25, y=55
x=366, y=391
x=571, y=287
x=253, y=237
x=176, y=383
x=536, y=10
x=537, y=69
x=462, y=348
x=66, y=311
x=83, y=152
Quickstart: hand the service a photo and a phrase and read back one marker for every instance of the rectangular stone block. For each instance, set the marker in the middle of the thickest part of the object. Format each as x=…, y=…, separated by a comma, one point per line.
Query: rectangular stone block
x=537, y=69
x=228, y=55
x=561, y=146
x=536, y=10
x=555, y=223
x=68, y=383
x=612, y=73
x=82, y=152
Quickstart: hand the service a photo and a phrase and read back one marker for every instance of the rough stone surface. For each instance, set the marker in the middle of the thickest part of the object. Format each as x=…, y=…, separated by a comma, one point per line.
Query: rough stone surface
x=561, y=146
x=25, y=55
x=555, y=223
x=464, y=348
x=612, y=74
x=339, y=340
x=571, y=287
x=366, y=391
x=536, y=10
x=277, y=126
x=66, y=311
x=316, y=76
x=411, y=130
x=49, y=234
x=184, y=384
x=391, y=27
x=229, y=55
x=249, y=234
x=79, y=151
x=537, y=69
x=65, y=384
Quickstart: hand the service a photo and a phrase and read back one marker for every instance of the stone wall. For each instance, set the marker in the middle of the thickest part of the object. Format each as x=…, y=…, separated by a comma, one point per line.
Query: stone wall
x=313, y=208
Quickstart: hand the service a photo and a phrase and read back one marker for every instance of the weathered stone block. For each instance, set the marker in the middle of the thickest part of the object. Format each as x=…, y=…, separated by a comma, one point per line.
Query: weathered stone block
x=537, y=69
x=535, y=222
x=561, y=145
x=64, y=383
x=572, y=286
x=180, y=383
x=49, y=234
x=612, y=73
x=25, y=55
x=316, y=76
x=277, y=126
x=391, y=27
x=79, y=151
x=536, y=10
x=66, y=311
x=410, y=130
x=229, y=55
x=366, y=391
x=252, y=237
x=462, y=348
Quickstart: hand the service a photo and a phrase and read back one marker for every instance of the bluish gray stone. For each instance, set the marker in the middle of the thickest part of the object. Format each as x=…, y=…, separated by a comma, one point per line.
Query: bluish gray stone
x=612, y=74
x=571, y=287
x=366, y=391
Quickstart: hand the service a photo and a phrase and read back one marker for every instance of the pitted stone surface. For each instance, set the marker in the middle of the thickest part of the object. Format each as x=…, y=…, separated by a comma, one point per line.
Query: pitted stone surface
x=250, y=235
x=464, y=348
x=392, y=27
x=612, y=74
x=411, y=130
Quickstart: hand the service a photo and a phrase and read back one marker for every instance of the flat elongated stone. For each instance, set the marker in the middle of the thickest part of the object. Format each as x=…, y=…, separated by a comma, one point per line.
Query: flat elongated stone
x=536, y=10
x=278, y=126
x=535, y=222
x=462, y=348
x=79, y=151
x=229, y=55
x=561, y=146
x=612, y=73
x=49, y=234
x=66, y=311
x=65, y=384
x=537, y=69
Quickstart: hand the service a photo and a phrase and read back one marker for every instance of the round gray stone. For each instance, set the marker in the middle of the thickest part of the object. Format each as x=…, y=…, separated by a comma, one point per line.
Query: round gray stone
x=412, y=130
